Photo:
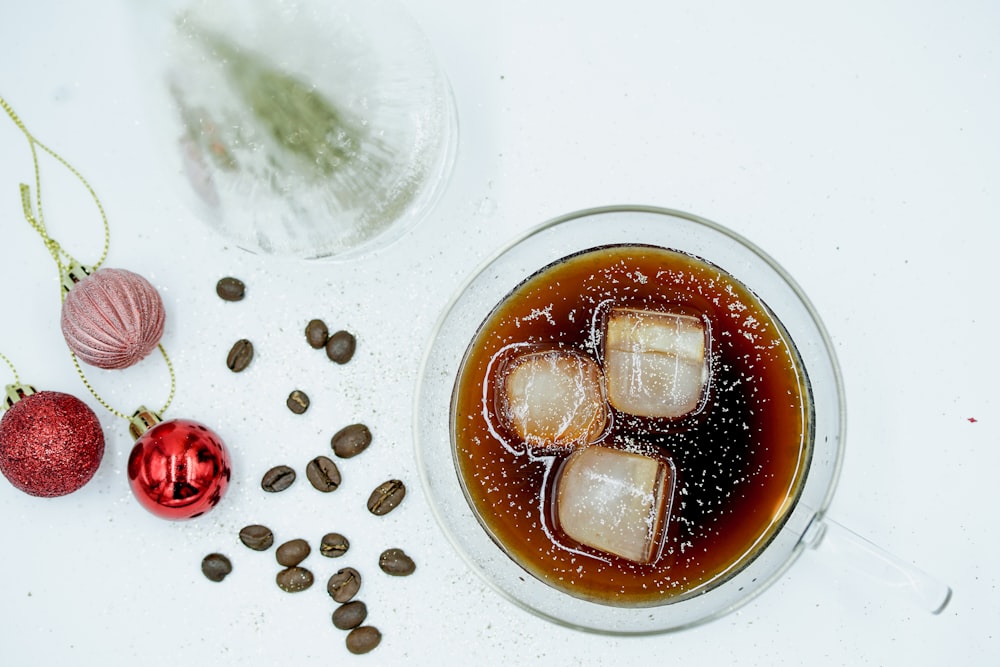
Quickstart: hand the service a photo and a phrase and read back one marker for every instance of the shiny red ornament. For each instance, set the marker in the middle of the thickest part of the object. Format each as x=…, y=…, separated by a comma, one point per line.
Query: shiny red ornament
x=51, y=443
x=178, y=469
x=112, y=318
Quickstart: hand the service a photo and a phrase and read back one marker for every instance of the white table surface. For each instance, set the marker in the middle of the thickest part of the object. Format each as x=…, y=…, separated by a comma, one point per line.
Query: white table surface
x=856, y=142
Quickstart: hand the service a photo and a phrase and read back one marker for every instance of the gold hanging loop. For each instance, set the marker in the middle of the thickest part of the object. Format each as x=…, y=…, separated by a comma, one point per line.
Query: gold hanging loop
x=70, y=270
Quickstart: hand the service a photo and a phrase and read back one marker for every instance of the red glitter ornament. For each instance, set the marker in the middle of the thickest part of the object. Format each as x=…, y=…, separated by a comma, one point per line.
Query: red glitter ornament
x=178, y=469
x=51, y=443
x=112, y=318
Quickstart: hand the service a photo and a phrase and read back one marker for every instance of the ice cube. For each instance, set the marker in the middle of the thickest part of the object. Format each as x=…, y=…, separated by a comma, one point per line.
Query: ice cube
x=654, y=362
x=554, y=399
x=615, y=501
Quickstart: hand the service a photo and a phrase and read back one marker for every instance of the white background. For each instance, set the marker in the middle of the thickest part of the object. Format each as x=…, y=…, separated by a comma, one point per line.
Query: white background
x=856, y=142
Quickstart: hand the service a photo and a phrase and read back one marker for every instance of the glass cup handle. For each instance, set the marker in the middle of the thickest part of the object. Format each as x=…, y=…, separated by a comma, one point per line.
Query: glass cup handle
x=858, y=554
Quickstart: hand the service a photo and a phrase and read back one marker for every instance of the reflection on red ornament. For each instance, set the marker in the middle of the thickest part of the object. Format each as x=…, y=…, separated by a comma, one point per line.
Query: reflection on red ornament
x=178, y=469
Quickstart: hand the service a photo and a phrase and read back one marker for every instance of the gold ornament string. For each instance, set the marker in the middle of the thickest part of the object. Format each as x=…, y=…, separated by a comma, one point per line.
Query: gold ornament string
x=38, y=223
x=118, y=413
x=59, y=254
x=13, y=370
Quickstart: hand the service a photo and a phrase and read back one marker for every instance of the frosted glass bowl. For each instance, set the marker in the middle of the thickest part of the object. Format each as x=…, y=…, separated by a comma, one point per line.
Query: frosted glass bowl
x=554, y=240
x=301, y=128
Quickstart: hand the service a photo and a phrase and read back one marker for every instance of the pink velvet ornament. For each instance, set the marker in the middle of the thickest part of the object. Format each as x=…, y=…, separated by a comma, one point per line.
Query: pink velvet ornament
x=112, y=318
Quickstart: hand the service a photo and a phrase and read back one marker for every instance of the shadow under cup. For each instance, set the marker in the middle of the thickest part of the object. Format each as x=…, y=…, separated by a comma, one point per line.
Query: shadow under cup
x=514, y=541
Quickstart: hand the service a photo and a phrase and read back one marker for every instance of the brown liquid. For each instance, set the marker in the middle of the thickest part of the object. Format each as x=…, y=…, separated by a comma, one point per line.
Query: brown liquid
x=740, y=461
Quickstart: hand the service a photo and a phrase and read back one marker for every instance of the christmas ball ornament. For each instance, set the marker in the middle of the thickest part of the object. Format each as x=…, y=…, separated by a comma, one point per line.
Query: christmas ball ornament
x=178, y=469
x=112, y=318
x=51, y=443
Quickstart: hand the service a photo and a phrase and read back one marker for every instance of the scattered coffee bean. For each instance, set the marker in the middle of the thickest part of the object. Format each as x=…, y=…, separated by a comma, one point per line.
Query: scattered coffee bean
x=340, y=347
x=297, y=402
x=240, y=355
x=344, y=584
x=396, y=562
x=317, y=334
x=386, y=497
x=294, y=579
x=257, y=537
x=363, y=639
x=230, y=289
x=323, y=474
x=216, y=567
x=351, y=440
x=277, y=479
x=350, y=615
x=292, y=552
x=333, y=545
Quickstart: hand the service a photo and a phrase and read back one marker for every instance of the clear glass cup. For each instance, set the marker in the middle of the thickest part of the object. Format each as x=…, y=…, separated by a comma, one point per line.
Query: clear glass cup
x=803, y=524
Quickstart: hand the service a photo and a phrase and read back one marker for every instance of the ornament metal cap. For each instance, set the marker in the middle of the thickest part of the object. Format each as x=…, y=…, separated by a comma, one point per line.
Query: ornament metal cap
x=141, y=421
x=15, y=392
x=74, y=274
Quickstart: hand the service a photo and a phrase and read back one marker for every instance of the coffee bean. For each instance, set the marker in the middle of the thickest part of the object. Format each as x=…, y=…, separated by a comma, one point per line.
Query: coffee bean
x=333, y=545
x=386, y=497
x=317, y=334
x=350, y=615
x=396, y=562
x=297, y=402
x=292, y=552
x=351, y=440
x=257, y=537
x=216, y=567
x=277, y=479
x=240, y=355
x=363, y=639
x=323, y=474
x=294, y=579
x=340, y=347
x=344, y=584
x=230, y=289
